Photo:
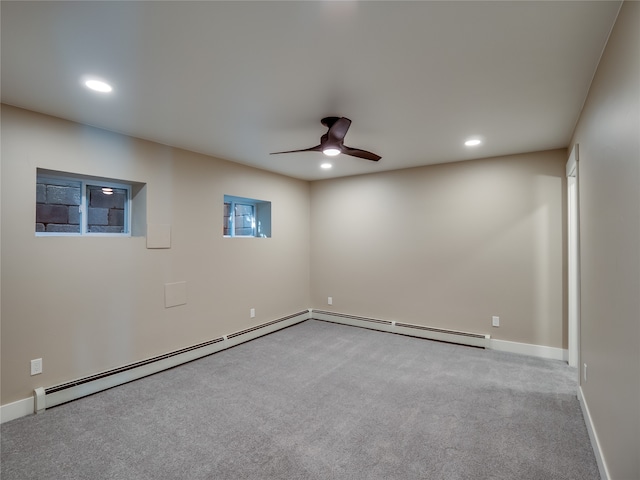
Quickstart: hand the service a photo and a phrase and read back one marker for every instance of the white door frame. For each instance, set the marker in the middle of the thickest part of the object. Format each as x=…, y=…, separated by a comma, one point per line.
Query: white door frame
x=573, y=260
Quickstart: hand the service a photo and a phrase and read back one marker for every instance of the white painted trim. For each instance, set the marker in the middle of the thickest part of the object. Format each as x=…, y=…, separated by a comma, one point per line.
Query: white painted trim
x=572, y=162
x=573, y=256
x=593, y=436
x=573, y=294
x=17, y=409
x=541, y=351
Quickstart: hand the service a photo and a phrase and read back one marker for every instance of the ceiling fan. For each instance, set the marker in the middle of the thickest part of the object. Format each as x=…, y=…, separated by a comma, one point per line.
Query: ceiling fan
x=331, y=142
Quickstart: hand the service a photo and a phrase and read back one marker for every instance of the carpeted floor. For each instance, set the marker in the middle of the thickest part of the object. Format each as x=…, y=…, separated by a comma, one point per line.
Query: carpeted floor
x=319, y=401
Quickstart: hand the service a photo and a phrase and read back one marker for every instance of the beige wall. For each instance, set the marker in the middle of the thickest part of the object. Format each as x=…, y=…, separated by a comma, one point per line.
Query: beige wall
x=89, y=304
x=608, y=135
x=447, y=246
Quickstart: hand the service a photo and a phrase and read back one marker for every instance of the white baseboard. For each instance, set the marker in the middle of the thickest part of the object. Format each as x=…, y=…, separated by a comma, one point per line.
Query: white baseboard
x=20, y=408
x=593, y=436
x=541, y=351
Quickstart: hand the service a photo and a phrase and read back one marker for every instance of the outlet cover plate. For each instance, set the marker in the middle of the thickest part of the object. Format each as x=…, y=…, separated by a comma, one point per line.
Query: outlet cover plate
x=36, y=366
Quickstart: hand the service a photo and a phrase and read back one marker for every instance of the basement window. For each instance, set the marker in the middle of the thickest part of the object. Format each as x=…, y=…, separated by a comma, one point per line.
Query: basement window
x=246, y=217
x=75, y=205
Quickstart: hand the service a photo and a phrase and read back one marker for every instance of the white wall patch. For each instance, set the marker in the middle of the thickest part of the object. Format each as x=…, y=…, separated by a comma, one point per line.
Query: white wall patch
x=175, y=294
x=158, y=236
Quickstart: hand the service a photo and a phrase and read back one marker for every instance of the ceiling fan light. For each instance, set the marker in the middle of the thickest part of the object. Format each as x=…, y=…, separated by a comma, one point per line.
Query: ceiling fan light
x=331, y=151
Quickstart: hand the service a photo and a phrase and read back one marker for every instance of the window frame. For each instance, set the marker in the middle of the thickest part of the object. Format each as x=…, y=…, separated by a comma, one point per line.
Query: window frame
x=259, y=216
x=83, y=209
x=233, y=201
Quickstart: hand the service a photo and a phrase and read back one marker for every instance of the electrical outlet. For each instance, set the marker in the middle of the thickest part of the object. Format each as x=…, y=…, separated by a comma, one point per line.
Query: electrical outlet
x=330, y=300
x=252, y=313
x=495, y=321
x=584, y=372
x=36, y=366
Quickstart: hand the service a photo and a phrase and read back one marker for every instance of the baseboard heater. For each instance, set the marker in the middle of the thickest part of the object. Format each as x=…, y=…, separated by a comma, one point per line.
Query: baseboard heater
x=49, y=397
x=431, y=333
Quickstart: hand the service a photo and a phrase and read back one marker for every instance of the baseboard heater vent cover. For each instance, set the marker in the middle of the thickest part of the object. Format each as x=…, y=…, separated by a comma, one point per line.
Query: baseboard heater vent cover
x=66, y=392
x=264, y=325
x=431, y=333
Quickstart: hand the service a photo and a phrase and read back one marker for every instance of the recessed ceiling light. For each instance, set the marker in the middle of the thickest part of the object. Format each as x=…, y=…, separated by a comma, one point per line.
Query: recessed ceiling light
x=326, y=166
x=98, y=86
x=473, y=142
x=331, y=152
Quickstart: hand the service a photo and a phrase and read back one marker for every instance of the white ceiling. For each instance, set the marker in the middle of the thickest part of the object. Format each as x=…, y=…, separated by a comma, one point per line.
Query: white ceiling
x=238, y=80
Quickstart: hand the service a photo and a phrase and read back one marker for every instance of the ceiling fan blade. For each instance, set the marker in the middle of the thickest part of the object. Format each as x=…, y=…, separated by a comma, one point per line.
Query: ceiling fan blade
x=333, y=140
x=317, y=148
x=356, y=152
x=329, y=121
x=338, y=130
